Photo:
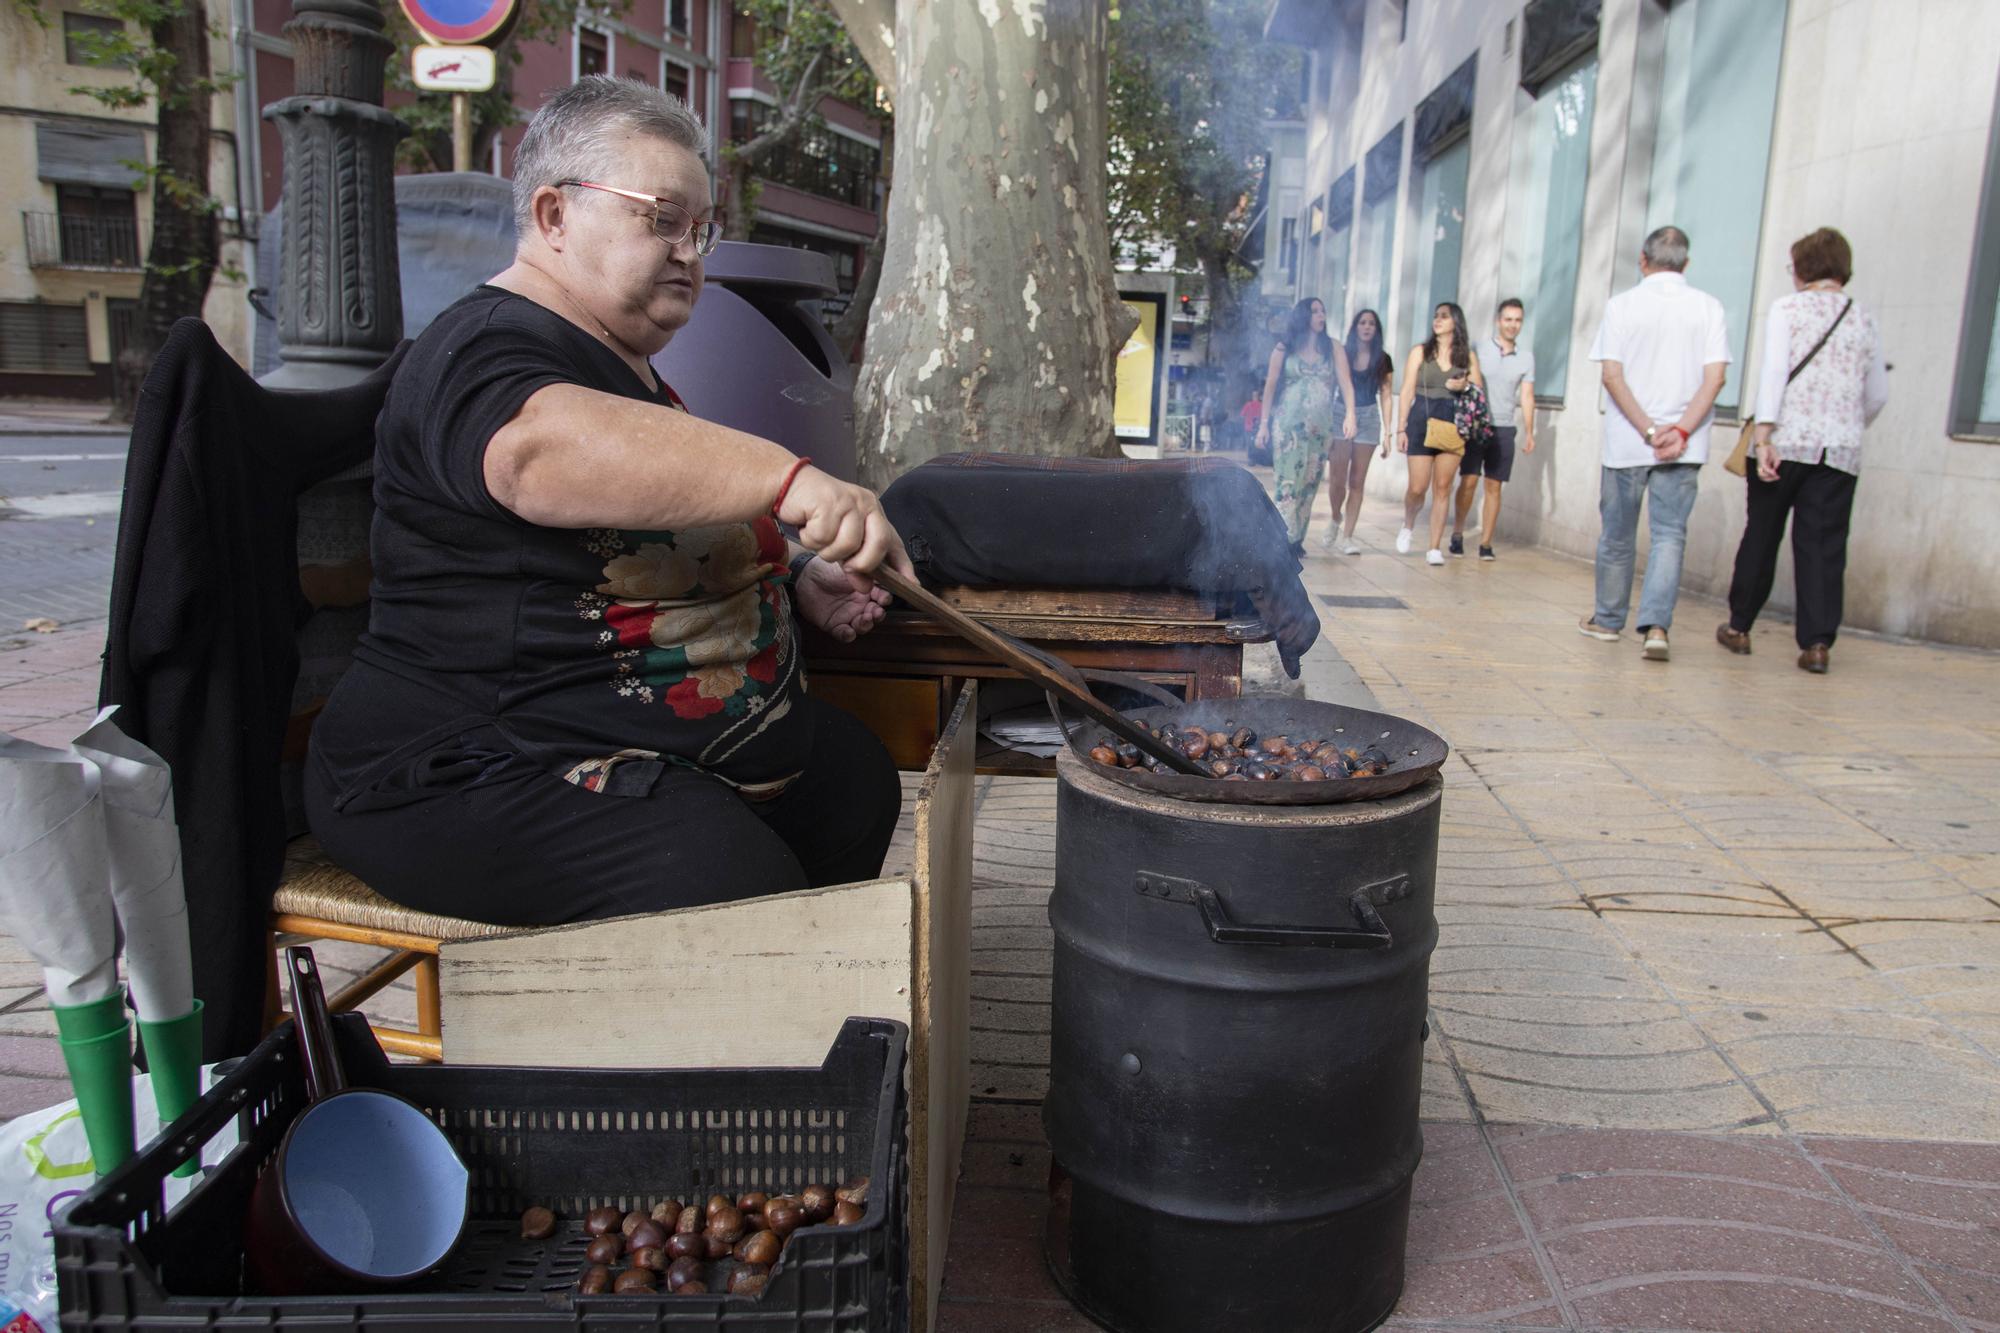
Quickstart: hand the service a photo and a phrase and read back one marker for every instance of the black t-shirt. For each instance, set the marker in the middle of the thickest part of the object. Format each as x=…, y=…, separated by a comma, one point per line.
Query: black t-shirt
x=589, y=649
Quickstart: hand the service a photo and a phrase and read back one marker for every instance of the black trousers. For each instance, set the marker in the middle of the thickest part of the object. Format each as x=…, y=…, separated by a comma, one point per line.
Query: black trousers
x=518, y=846
x=1818, y=499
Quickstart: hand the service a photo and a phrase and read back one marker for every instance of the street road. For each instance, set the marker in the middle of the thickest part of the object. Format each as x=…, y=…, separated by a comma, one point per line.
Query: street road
x=58, y=525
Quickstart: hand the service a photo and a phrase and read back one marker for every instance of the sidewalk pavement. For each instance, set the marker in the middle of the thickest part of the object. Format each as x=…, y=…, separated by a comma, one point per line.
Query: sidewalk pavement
x=1716, y=1001
x=24, y=417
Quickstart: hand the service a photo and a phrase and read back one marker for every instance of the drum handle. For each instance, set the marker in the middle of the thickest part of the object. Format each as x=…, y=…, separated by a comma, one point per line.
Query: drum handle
x=1369, y=932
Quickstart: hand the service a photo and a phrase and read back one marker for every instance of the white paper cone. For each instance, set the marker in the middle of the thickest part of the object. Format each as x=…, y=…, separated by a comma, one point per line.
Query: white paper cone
x=144, y=860
x=54, y=875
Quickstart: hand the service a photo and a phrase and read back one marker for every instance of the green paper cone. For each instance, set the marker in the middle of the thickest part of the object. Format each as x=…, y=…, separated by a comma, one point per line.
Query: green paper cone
x=173, y=1054
x=100, y=1072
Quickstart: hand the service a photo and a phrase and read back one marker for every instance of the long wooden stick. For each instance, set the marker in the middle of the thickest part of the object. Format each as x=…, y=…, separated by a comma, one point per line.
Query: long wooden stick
x=1017, y=655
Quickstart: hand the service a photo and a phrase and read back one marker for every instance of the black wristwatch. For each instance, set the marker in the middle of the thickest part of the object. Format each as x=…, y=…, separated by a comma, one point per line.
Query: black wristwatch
x=798, y=565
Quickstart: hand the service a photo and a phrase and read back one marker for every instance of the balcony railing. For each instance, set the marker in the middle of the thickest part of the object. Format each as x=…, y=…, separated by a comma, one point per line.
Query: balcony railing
x=61, y=240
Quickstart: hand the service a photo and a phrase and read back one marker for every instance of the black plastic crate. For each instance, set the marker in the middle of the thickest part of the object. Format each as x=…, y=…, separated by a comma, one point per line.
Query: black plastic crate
x=568, y=1139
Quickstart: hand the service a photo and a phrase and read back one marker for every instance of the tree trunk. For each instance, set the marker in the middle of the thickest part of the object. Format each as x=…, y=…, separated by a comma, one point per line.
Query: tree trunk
x=853, y=322
x=185, y=243
x=998, y=321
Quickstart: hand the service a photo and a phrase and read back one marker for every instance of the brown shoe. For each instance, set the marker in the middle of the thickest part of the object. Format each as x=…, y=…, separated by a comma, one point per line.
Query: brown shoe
x=1734, y=640
x=1813, y=659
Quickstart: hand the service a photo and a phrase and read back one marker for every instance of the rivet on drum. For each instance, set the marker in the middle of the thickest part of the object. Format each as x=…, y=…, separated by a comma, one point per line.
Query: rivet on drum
x=1130, y=1063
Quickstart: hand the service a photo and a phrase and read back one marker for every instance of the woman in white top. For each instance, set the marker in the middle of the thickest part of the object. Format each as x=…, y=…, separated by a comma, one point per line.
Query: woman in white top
x=1808, y=446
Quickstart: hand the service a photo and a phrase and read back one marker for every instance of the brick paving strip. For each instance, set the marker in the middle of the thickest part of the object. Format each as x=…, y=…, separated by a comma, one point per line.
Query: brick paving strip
x=1716, y=1004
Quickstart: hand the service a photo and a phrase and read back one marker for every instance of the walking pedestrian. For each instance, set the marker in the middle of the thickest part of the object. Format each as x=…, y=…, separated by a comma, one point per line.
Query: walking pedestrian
x=1664, y=348
x=1310, y=394
x=1439, y=369
x=1510, y=396
x=1251, y=415
x=1823, y=379
x=1374, y=376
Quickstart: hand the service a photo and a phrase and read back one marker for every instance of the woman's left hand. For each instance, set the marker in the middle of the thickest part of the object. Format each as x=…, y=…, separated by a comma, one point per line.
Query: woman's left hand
x=1767, y=462
x=827, y=601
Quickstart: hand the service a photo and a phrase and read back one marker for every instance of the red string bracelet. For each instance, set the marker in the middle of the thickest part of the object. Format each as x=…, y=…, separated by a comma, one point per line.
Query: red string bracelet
x=784, y=487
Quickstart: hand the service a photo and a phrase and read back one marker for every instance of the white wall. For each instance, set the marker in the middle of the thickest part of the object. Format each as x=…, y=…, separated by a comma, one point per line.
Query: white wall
x=1883, y=117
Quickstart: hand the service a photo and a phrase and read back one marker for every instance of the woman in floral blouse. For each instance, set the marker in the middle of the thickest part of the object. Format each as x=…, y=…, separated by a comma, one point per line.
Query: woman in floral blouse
x=1808, y=446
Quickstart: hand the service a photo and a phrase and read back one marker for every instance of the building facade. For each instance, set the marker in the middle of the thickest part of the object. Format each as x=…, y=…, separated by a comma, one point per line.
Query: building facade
x=1474, y=150
x=77, y=220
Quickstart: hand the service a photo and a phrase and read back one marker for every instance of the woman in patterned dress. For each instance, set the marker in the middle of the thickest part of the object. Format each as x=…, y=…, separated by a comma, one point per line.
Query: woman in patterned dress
x=1308, y=392
x=580, y=693
x=1808, y=446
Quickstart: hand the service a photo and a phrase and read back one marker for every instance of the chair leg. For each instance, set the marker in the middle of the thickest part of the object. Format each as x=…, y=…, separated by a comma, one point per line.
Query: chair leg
x=430, y=1006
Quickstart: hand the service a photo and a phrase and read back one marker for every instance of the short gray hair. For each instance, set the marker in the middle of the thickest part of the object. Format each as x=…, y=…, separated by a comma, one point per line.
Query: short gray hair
x=570, y=137
x=1666, y=248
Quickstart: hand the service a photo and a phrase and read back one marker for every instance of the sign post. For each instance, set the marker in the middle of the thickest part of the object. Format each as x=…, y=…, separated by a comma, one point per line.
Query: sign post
x=460, y=62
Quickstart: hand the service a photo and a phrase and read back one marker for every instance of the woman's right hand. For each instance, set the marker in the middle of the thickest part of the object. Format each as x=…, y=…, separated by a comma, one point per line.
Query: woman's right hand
x=844, y=523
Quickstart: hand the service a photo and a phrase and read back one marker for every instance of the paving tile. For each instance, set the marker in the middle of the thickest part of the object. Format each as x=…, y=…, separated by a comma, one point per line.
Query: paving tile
x=21, y=1093
x=1755, y=961
x=996, y=1250
x=37, y=1057
x=1732, y=1302
x=1973, y=1296
x=1716, y=1102
x=1010, y=1317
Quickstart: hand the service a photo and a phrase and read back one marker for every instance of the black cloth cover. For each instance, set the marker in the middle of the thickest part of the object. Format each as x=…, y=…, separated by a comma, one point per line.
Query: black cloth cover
x=1200, y=524
x=201, y=653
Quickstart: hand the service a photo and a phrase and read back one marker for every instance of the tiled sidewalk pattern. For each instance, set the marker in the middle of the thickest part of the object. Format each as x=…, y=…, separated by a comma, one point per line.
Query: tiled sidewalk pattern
x=1713, y=935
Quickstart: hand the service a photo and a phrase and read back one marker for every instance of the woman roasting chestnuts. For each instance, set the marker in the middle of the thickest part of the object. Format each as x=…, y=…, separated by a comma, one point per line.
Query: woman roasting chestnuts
x=579, y=694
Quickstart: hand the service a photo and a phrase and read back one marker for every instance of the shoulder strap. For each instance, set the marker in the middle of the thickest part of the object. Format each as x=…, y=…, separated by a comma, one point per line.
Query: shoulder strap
x=1822, y=341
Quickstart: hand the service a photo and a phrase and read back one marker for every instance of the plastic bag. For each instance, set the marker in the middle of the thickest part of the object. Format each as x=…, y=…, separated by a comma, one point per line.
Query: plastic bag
x=44, y=1163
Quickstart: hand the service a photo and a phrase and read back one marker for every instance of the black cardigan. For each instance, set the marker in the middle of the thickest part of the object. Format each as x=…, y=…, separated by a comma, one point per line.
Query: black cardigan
x=201, y=653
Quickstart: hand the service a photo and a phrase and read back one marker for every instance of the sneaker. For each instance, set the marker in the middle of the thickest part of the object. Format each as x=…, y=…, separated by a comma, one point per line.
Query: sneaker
x=1458, y=545
x=1590, y=629
x=1403, y=536
x=1485, y=553
x=1434, y=556
x=1326, y=539
x=1352, y=548
x=1656, y=644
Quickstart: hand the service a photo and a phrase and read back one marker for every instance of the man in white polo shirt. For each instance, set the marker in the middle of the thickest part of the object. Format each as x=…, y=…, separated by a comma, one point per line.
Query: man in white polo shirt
x=1664, y=348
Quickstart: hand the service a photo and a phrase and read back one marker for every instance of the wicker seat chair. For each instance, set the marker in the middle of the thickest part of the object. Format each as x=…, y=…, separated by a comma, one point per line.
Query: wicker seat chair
x=317, y=900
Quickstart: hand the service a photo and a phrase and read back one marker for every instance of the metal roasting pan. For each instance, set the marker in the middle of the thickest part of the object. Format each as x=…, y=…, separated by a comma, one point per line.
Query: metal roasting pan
x=1415, y=752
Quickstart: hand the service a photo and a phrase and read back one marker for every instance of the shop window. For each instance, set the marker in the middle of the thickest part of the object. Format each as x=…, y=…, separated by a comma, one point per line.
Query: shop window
x=1545, y=215
x=1442, y=148
x=1976, y=398
x=43, y=338
x=1376, y=254
x=1333, y=275
x=593, y=53
x=1712, y=148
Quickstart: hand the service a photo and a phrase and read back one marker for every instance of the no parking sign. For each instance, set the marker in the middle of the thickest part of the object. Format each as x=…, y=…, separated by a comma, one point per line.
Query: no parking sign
x=461, y=22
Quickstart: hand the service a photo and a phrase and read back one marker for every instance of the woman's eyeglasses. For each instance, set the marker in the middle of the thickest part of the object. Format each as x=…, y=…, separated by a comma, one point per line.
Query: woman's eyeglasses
x=671, y=223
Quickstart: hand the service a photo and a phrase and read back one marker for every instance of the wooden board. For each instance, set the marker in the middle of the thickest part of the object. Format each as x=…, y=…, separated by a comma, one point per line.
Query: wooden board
x=941, y=1084
x=1091, y=603
x=561, y=997
x=902, y=711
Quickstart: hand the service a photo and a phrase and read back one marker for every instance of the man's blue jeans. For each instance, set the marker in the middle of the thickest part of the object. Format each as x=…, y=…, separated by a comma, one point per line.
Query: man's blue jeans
x=1668, y=490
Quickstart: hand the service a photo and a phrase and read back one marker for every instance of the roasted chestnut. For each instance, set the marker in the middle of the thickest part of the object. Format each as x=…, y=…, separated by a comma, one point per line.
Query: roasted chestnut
x=600, y=1220
x=605, y=1248
x=818, y=1202
x=748, y=1279
x=784, y=1216
x=727, y=1223
x=1105, y=755
x=681, y=1272
x=538, y=1224
x=759, y=1247
x=634, y=1280
x=596, y=1280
